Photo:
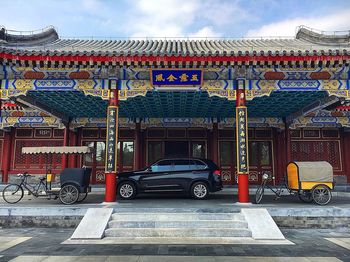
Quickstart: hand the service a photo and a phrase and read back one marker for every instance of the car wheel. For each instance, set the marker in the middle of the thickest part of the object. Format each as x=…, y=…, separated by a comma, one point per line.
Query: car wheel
x=199, y=190
x=127, y=190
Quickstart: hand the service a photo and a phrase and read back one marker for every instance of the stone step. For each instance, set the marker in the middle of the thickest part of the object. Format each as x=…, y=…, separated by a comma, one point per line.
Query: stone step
x=177, y=232
x=176, y=216
x=179, y=224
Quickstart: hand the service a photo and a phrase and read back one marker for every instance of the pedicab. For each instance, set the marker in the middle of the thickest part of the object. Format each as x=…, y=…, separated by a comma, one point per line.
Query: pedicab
x=311, y=181
x=74, y=182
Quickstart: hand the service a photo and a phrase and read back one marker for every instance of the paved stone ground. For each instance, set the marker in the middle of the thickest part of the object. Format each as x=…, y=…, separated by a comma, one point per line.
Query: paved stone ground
x=219, y=199
x=309, y=243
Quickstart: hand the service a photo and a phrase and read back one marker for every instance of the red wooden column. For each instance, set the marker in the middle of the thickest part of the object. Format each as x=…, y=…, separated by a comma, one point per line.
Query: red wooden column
x=6, y=155
x=138, y=150
x=73, y=141
x=242, y=143
x=215, y=146
x=64, y=161
x=111, y=144
x=288, y=144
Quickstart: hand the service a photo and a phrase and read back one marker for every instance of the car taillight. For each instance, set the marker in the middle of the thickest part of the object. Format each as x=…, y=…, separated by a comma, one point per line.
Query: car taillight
x=217, y=172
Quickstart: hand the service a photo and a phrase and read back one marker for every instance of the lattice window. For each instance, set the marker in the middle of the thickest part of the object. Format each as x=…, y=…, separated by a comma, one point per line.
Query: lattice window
x=58, y=133
x=24, y=132
x=126, y=133
x=330, y=133
x=103, y=133
x=196, y=133
x=250, y=133
x=156, y=133
x=264, y=133
x=227, y=133
x=176, y=133
x=23, y=161
x=42, y=132
x=317, y=151
x=90, y=133
x=311, y=133
x=295, y=133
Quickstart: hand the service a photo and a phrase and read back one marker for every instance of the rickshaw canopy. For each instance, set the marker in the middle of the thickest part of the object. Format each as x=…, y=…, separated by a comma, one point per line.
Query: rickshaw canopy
x=57, y=150
x=320, y=171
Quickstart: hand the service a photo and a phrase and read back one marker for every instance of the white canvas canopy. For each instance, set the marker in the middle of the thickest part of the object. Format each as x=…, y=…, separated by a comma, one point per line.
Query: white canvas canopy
x=318, y=171
x=57, y=150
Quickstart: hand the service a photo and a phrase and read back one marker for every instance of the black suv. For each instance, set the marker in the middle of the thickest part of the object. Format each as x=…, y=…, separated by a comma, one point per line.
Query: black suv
x=190, y=175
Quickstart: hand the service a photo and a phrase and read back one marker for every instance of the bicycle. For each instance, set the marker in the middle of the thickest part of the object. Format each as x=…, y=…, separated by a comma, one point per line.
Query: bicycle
x=304, y=195
x=13, y=193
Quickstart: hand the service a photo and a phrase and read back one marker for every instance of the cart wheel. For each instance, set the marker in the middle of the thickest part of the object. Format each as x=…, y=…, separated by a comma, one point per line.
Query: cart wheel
x=82, y=197
x=321, y=194
x=12, y=193
x=305, y=196
x=68, y=194
x=259, y=194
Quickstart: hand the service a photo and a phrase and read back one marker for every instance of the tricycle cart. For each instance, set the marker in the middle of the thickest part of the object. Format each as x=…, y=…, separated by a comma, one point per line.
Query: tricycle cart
x=311, y=181
x=74, y=181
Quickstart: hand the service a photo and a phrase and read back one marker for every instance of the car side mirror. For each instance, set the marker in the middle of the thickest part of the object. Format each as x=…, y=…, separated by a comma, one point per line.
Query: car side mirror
x=149, y=169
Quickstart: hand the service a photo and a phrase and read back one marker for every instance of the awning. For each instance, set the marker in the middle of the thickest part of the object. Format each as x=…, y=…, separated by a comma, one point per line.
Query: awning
x=57, y=150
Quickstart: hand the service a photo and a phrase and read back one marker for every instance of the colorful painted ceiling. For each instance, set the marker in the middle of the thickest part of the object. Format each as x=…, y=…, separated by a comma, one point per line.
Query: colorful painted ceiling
x=163, y=104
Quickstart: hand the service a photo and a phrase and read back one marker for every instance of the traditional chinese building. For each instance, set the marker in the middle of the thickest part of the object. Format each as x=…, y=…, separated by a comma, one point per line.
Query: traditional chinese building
x=251, y=105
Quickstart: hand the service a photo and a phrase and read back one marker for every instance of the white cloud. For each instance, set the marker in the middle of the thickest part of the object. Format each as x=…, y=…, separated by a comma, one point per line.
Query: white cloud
x=332, y=22
x=176, y=18
x=206, y=31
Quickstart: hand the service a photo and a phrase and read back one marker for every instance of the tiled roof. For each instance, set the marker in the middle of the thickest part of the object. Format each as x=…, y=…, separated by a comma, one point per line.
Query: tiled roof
x=47, y=42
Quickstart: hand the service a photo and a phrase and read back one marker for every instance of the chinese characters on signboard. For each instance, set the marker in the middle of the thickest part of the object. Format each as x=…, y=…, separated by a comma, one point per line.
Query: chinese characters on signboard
x=242, y=140
x=176, y=77
x=112, y=129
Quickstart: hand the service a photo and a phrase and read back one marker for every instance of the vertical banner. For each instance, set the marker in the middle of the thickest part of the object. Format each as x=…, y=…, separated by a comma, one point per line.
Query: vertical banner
x=242, y=140
x=112, y=139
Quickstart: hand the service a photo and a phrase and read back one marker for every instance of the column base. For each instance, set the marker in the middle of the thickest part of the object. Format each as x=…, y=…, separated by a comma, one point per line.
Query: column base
x=243, y=188
x=111, y=187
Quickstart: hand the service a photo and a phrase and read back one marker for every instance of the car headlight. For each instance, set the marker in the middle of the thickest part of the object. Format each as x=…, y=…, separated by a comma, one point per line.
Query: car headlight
x=265, y=176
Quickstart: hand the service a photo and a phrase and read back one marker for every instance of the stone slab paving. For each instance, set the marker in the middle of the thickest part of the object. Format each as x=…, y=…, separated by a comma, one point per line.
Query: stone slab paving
x=46, y=244
x=167, y=259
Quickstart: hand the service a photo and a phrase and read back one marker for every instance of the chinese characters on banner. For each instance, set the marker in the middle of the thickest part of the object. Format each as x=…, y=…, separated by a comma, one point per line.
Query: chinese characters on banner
x=112, y=129
x=176, y=77
x=242, y=140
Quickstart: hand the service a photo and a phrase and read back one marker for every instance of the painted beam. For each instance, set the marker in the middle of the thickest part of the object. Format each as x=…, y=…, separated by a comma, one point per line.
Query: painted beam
x=312, y=107
x=29, y=101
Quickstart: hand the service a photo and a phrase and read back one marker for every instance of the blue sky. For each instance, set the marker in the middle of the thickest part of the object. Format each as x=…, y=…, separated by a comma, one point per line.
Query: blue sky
x=175, y=18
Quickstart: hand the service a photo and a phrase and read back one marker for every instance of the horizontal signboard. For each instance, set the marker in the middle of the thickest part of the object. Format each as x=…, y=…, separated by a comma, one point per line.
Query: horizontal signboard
x=176, y=77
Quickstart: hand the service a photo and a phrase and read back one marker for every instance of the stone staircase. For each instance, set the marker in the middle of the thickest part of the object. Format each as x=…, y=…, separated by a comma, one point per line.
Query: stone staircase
x=176, y=226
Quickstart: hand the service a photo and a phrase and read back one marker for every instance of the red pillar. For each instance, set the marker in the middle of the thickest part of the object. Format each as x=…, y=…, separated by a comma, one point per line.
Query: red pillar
x=215, y=146
x=243, y=179
x=288, y=144
x=73, y=141
x=6, y=155
x=64, y=163
x=138, y=145
x=111, y=146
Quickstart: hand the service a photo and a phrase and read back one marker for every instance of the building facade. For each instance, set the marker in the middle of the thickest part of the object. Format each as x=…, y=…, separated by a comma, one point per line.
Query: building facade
x=251, y=105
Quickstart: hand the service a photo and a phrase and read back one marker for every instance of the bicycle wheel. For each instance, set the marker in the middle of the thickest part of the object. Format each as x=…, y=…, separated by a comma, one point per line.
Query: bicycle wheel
x=259, y=194
x=12, y=193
